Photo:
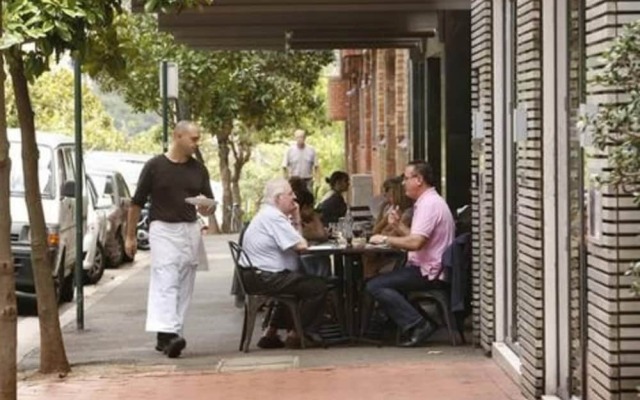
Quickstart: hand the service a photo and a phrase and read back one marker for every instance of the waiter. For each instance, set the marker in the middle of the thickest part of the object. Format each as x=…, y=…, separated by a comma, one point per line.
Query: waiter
x=174, y=234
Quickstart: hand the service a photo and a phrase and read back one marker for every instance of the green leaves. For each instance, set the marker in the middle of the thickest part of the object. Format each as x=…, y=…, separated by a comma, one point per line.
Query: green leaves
x=616, y=125
x=634, y=271
x=54, y=27
x=167, y=6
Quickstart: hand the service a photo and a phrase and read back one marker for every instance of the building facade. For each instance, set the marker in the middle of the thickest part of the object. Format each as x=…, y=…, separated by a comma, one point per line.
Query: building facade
x=551, y=246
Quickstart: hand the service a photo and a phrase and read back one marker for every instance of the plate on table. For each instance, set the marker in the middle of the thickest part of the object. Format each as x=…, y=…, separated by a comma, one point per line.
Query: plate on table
x=322, y=246
x=200, y=201
x=377, y=246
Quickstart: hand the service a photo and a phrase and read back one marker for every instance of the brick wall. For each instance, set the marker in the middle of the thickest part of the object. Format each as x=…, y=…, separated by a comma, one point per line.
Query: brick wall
x=482, y=173
x=528, y=264
x=613, y=360
x=377, y=120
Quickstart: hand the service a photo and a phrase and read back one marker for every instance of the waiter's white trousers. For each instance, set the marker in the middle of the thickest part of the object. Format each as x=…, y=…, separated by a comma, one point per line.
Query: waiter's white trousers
x=174, y=260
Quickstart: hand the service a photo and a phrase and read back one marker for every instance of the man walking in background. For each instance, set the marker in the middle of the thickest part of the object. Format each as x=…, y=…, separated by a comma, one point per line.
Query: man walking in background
x=300, y=160
x=174, y=233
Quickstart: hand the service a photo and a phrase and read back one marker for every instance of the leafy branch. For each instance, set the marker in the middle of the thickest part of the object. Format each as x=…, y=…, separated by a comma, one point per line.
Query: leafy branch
x=616, y=125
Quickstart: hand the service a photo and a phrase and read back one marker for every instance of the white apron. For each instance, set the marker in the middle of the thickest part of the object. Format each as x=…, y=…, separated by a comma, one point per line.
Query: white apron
x=175, y=253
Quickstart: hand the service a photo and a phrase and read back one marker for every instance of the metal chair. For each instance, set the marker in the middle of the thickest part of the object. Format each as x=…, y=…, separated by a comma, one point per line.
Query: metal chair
x=253, y=300
x=441, y=298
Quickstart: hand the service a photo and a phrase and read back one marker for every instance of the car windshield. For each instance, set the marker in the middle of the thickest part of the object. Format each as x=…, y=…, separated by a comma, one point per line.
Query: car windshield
x=45, y=170
x=104, y=188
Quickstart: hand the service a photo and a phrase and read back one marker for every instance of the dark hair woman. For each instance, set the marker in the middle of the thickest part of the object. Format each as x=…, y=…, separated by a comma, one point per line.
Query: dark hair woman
x=333, y=206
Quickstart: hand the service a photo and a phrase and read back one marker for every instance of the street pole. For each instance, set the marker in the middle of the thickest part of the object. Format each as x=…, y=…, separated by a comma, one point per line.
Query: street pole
x=79, y=273
x=165, y=107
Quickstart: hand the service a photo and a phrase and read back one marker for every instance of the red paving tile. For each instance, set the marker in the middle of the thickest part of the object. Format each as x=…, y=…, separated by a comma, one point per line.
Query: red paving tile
x=462, y=380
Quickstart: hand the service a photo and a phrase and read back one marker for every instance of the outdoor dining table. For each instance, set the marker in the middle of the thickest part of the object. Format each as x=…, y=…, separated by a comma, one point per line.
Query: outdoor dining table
x=347, y=257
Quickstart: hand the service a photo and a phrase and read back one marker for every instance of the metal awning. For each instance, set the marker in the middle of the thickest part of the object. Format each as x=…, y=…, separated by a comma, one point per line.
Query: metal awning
x=308, y=24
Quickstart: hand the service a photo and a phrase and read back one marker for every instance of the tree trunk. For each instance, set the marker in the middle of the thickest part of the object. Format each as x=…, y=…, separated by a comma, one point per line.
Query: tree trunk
x=242, y=154
x=223, y=135
x=212, y=226
x=8, y=312
x=53, y=358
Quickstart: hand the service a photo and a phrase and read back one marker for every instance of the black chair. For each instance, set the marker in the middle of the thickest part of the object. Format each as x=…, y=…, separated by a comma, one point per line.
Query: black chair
x=236, y=290
x=456, y=263
x=253, y=300
x=441, y=298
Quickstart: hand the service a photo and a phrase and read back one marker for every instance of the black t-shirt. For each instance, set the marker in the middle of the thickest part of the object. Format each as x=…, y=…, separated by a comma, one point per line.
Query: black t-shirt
x=169, y=183
x=332, y=208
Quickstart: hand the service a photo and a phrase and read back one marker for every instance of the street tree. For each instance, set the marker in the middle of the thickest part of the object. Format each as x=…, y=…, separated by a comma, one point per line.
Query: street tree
x=37, y=31
x=241, y=97
x=8, y=311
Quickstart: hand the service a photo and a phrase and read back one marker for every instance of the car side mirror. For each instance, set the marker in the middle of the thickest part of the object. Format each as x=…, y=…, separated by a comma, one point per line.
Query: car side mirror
x=69, y=189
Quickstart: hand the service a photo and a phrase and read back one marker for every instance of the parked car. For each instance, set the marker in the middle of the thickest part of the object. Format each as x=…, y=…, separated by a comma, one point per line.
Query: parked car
x=56, y=174
x=94, y=237
x=115, y=199
x=128, y=164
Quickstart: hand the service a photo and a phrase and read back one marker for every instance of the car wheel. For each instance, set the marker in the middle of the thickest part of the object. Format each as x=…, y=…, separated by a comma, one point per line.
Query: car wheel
x=94, y=274
x=118, y=254
x=67, y=289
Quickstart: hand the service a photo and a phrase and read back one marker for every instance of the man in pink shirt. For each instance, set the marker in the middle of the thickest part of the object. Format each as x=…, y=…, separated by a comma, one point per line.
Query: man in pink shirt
x=432, y=231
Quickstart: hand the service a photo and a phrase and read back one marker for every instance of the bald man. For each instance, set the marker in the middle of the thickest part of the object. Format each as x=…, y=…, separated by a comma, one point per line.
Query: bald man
x=300, y=160
x=174, y=234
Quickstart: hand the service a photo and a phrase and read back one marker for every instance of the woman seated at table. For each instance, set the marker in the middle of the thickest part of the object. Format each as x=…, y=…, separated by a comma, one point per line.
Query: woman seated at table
x=312, y=229
x=333, y=206
x=395, y=198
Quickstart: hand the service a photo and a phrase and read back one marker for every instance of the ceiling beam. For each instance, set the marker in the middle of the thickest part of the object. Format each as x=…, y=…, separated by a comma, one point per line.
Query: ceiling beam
x=304, y=6
x=264, y=24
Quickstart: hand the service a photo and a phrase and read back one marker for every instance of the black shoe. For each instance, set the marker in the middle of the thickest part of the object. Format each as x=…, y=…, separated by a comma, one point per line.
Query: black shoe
x=162, y=340
x=270, y=342
x=419, y=334
x=175, y=346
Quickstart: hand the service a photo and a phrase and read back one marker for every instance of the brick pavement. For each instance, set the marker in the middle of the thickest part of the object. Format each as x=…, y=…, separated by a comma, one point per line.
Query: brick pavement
x=460, y=380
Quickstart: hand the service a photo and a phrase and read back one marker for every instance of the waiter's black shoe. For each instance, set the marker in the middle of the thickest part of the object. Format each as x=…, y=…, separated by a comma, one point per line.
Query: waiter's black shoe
x=163, y=339
x=174, y=346
x=419, y=334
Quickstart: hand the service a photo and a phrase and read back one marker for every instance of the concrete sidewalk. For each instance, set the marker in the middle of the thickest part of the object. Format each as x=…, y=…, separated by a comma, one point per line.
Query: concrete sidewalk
x=114, y=357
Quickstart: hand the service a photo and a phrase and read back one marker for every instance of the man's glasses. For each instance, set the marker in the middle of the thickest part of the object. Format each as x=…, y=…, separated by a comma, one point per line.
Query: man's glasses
x=406, y=178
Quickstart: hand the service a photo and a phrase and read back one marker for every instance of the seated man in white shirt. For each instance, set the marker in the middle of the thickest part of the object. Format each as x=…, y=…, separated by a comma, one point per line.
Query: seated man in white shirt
x=272, y=242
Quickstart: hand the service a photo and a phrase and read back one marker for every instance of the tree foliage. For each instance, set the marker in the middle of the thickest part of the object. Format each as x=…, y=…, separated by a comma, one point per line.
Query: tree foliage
x=266, y=163
x=52, y=98
x=242, y=98
x=167, y=6
x=616, y=125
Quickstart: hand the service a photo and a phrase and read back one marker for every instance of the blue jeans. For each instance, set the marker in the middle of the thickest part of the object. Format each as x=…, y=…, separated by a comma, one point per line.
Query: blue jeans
x=390, y=291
